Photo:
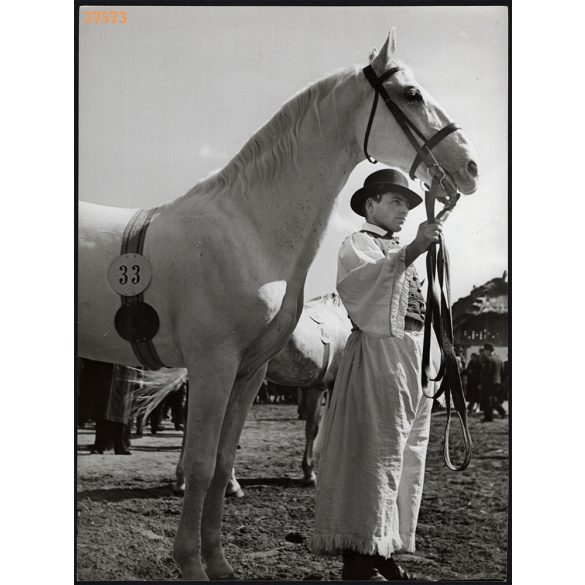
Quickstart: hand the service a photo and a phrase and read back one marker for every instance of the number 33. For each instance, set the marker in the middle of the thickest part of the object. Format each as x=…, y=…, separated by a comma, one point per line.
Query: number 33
x=134, y=279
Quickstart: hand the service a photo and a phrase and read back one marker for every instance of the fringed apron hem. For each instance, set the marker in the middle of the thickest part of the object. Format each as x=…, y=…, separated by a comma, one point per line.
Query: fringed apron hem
x=335, y=544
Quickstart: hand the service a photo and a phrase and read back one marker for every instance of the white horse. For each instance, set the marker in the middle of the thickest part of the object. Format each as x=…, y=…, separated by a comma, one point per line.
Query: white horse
x=229, y=261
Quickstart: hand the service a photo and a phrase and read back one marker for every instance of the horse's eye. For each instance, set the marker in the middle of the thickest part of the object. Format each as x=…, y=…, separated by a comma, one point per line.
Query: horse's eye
x=413, y=94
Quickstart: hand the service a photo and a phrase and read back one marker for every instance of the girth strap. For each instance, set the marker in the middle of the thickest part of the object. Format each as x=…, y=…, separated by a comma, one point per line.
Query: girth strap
x=133, y=243
x=324, y=340
x=325, y=366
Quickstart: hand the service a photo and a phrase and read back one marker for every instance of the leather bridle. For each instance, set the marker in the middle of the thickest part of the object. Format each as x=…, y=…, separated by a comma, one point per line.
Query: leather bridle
x=424, y=151
x=438, y=313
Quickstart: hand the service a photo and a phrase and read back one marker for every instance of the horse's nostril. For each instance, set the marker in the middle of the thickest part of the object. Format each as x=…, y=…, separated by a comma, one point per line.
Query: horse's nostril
x=472, y=168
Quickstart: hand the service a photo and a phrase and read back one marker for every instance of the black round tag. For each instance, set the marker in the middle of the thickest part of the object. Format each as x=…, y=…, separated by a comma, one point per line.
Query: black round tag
x=136, y=322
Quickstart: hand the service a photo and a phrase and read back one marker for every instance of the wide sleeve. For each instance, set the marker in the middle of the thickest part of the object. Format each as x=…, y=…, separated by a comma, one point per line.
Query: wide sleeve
x=373, y=285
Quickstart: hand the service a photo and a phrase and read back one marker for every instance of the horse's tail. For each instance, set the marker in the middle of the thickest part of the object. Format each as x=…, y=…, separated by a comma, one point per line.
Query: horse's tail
x=153, y=386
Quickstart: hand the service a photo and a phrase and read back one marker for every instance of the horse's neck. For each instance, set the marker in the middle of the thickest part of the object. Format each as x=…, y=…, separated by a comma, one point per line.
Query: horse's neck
x=287, y=200
x=292, y=210
x=295, y=211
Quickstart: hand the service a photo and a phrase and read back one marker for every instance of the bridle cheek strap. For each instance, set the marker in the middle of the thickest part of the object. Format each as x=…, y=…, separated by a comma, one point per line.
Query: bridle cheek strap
x=376, y=83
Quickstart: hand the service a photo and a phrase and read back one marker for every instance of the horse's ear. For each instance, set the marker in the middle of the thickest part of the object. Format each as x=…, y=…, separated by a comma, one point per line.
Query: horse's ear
x=386, y=52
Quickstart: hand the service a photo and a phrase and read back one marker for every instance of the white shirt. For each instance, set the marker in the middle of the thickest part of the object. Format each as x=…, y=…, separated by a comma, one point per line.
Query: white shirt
x=373, y=285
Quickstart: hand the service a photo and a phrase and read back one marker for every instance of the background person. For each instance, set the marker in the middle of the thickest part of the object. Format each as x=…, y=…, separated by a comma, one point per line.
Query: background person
x=472, y=375
x=491, y=381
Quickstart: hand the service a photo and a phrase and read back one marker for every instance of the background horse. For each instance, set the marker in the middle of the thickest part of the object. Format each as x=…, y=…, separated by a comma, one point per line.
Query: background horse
x=310, y=359
x=229, y=261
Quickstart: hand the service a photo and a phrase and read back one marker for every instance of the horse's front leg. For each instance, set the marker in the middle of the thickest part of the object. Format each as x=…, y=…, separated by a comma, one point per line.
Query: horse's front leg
x=240, y=402
x=210, y=383
x=312, y=415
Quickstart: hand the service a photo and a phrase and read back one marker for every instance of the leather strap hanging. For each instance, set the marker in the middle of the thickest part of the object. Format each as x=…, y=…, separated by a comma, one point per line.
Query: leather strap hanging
x=438, y=320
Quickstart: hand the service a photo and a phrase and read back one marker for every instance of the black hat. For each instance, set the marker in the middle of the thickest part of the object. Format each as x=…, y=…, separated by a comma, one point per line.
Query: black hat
x=384, y=181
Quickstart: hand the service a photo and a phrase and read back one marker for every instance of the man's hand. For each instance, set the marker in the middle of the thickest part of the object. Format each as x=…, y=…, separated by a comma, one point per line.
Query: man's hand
x=427, y=234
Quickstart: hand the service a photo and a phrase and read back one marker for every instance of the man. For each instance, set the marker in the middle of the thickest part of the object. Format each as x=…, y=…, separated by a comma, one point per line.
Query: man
x=491, y=382
x=372, y=461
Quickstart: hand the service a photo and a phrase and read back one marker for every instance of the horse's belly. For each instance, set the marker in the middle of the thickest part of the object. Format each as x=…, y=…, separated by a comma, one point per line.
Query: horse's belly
x=302, y=359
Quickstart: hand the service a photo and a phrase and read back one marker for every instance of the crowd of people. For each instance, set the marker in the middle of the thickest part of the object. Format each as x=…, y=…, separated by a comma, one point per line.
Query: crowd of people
x=485, y=380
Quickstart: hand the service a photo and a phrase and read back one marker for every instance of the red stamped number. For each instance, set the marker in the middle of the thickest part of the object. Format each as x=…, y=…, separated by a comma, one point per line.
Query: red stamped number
x=104, y=17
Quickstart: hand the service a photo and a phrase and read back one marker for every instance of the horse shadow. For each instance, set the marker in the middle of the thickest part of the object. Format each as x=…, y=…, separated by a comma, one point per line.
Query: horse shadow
x=126, y=493
x=285, y=482
x=166, y=490
x=155, y=448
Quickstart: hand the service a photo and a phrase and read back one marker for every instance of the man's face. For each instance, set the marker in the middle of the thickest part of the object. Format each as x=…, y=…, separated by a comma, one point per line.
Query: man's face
x=390, y=212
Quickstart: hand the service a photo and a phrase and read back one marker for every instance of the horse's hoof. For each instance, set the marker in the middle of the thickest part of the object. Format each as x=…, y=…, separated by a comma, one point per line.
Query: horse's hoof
x=310, y=481
x=239, y=493
x=179, y=490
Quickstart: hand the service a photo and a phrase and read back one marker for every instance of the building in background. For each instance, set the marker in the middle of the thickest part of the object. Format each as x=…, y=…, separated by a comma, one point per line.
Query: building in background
x=482, y=317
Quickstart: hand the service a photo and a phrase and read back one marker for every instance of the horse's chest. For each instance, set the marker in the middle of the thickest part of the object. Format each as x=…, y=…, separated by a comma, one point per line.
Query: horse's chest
x=270, y=299
x=278, y=308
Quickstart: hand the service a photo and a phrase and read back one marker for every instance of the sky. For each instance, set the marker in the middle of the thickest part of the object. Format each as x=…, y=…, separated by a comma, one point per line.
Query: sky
x=172, y=94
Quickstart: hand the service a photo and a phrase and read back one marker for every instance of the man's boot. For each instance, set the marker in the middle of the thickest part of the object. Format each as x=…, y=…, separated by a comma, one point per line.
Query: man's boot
x=392, y=571
x=360, y=567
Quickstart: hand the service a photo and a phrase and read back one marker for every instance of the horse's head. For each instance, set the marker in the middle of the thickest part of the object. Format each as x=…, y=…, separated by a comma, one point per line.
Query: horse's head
x=407, y=113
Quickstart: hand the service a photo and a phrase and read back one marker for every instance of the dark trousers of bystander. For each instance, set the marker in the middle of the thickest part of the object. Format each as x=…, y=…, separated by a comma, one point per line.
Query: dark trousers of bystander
x=110, y=434
x=490, y=401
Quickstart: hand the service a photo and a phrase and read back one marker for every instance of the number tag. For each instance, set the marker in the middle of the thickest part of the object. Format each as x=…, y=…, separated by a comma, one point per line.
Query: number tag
x=130, y=274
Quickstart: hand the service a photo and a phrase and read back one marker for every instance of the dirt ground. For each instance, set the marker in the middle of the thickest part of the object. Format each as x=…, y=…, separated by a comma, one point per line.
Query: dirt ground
x=127, y=514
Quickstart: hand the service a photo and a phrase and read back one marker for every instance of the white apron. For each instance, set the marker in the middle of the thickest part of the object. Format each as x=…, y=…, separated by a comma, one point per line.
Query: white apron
x=372, y=457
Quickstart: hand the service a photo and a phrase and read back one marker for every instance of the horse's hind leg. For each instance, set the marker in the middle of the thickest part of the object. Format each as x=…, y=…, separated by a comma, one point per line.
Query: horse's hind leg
x=211, y=382
x=312, y=415
x=240, y=402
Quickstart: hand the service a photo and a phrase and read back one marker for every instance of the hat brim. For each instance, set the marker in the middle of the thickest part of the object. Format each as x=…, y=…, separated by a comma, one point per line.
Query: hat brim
x=360, y=196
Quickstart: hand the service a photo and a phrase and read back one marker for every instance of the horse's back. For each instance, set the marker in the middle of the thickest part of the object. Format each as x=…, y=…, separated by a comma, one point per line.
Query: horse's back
x=303, y=358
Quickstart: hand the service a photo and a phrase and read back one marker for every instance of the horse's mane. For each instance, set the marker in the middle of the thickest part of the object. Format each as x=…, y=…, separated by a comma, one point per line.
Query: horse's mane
x=331, y=298
x=274, y=143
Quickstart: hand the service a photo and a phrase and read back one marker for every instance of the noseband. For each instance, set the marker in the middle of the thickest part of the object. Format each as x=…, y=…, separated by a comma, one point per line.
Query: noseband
x=438, y=312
